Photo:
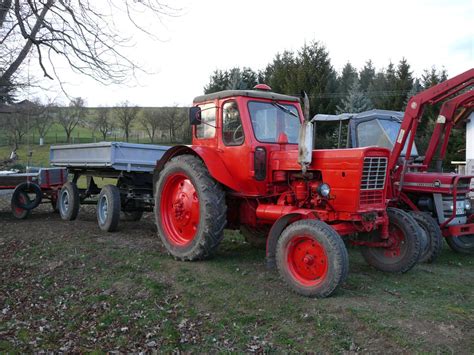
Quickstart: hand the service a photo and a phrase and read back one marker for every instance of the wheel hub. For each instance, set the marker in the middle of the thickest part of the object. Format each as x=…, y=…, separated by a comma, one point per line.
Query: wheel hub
x=307, y=260
x=179, y=209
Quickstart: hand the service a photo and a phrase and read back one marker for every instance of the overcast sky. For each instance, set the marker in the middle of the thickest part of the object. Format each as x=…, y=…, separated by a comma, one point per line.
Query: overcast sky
x=210, y=35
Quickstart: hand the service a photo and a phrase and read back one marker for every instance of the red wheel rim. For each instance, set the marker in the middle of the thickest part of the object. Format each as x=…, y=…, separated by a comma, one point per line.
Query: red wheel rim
x=307, y=260
x=179, y=209
x=398, y=245
x=23, y=200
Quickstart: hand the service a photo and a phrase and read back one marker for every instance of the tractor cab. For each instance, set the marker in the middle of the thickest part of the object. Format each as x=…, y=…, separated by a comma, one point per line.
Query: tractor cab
x=241, y=128
x=370, y=128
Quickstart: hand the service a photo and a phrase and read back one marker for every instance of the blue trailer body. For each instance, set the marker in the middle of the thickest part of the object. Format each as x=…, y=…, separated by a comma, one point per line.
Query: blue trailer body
x=120, y=156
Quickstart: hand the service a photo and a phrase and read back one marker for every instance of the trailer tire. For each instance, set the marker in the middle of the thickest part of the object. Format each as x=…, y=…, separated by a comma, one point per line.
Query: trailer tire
x=108, y=208
x=434, y=237
x=27, y=187
x=18, y=212
x=190, y=209
x=312, y=258
x=406, y=253
x=463, y=244
x=68, y=201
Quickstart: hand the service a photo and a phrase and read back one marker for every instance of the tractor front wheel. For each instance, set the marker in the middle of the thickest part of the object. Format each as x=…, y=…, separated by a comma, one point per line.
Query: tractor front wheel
x=312, y=258
x=406, y=244
x=434, y=237
x=463, y=244
x=190, y=209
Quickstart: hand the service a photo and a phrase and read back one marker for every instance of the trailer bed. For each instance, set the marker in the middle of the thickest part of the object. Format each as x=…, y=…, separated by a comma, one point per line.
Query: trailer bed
x=120, y=156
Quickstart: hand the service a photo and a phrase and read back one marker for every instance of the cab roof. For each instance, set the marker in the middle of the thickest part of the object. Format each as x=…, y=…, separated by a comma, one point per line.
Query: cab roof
x=259, y=94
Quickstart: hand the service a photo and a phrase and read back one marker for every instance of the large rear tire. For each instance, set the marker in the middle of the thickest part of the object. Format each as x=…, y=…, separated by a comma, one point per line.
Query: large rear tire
x=190, y=209
x=312, y=258
x=108, y=208
x=463, y=244
x=434, y=237
x=68, y=201
x=406, y=248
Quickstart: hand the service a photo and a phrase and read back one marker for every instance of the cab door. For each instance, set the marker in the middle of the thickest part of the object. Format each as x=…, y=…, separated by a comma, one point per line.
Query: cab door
x=234, y=143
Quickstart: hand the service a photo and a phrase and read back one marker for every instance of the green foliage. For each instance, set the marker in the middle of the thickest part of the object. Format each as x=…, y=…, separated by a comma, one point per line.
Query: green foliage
x=232, y=79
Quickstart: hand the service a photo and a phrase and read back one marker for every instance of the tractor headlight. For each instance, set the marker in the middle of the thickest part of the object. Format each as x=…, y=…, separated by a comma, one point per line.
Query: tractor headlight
x=467, y=205
x=324, y=190
x=451, y=207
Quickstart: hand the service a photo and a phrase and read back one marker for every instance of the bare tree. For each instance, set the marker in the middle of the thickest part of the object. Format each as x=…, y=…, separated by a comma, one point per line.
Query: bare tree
x=19, y=121
x=173, y=120
x=44, y=118
x=82, y=32
x=126, y=115
x=151, y=121
x=103, y=122
x=70, y=117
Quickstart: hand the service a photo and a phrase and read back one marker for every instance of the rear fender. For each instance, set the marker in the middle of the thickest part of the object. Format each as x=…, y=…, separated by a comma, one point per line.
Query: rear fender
x=209, y=156
x=276, y=230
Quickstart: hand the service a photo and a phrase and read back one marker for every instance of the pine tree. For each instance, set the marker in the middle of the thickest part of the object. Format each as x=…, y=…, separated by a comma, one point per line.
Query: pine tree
x=355, y=101
x=404, y=83
x=366, y=75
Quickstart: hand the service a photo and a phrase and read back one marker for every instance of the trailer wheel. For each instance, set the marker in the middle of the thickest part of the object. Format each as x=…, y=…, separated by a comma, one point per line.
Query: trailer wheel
x=312, y=258
x=463, y=244
x=434, y=237
x=27, y=187
x=68, y=201
x=406, y=248
x=108, y=208
x=19, y=212
x=190, y=209
x=256, y=237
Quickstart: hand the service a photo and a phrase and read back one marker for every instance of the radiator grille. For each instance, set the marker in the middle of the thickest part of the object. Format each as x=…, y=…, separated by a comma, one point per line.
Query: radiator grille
x=371, y=197
x=373, y=173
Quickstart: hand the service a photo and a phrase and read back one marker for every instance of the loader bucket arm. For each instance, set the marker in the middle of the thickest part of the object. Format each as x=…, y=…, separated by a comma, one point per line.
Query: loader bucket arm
x=415, y=107
x=446, y=121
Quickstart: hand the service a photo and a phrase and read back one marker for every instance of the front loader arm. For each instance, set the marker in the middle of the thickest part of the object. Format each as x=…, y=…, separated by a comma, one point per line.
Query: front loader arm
x=415, y=107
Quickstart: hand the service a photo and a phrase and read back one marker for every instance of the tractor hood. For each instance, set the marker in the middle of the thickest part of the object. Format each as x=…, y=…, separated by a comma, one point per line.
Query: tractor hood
x=435, y=182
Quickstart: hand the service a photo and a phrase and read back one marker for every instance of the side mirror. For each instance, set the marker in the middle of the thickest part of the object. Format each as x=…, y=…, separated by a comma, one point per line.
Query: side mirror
x=195, y=116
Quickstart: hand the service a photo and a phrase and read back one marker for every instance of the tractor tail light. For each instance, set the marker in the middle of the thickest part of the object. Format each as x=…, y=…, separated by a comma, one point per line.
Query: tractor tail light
x=260, y=163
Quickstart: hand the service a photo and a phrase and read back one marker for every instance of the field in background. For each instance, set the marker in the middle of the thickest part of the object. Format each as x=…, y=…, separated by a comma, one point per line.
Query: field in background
x=67, y=286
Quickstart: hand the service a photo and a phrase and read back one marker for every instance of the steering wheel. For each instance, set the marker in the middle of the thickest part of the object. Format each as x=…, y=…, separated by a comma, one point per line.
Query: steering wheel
x=238, y=134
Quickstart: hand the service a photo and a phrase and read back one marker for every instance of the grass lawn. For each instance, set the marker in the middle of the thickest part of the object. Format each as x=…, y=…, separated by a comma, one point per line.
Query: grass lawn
x=67, y=286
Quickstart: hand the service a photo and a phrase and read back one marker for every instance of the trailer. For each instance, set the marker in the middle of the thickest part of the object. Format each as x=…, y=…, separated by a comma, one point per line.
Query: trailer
x=35, y=186
x=131, y=165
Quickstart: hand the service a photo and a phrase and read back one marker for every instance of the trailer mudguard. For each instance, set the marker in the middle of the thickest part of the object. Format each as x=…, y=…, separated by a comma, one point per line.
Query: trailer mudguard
x=211, y=159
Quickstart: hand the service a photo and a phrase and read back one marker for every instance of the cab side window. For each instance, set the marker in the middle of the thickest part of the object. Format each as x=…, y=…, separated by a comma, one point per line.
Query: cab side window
x=207, y=128
x=232, y=131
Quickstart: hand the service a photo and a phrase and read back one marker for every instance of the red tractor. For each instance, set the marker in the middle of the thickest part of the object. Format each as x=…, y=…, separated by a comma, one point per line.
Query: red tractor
x=252, y=166
x=437, y=200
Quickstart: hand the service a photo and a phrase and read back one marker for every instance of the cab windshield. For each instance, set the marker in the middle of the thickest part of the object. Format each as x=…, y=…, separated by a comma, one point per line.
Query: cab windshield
x=271, y=120
x=381, y=133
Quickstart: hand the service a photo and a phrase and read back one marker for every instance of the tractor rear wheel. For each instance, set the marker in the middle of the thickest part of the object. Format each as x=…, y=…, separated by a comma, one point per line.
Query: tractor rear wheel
x=190, y=209
x=405, y=250
x=312, y=258
x=434, y=237
x=463, y=244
